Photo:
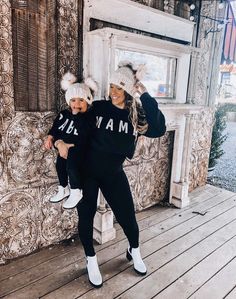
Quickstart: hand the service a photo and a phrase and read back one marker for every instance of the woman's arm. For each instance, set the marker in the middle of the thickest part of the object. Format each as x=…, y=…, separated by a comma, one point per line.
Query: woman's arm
x=154, y=116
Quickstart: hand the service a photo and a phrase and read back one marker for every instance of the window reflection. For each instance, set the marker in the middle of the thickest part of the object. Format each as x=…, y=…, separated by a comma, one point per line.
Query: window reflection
x=161, y=71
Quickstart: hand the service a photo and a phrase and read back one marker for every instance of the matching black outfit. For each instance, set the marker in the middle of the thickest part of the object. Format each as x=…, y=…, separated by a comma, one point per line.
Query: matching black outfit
x=112, y=140
x=71, y=129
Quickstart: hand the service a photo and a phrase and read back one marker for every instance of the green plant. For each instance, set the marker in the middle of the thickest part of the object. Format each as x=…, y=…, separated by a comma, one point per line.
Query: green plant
x=218, y=136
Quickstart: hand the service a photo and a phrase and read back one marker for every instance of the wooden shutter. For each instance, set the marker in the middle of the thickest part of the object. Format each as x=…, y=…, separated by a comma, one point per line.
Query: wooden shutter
x=51, y=55
x=34, y=54
x=20, y=54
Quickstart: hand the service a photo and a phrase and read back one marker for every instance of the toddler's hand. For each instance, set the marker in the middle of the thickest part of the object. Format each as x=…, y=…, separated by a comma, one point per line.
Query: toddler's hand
x=48, y=143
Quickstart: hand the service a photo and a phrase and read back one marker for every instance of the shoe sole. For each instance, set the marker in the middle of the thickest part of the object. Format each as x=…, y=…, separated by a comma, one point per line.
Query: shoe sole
x=60, y=199
x=97, y=286
x=71, y=207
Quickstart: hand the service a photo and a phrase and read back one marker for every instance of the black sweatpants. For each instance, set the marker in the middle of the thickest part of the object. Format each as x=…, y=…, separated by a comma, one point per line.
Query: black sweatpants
x=105, y=171
x=70, y=168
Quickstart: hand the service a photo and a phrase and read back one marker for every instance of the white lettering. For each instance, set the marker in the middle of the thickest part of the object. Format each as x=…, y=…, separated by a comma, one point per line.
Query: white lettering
x=61, y=116
x=70, y=128
x=75, y=132
x=99, y=120
x=123, y=127
x=110, y=124
x=62, y=127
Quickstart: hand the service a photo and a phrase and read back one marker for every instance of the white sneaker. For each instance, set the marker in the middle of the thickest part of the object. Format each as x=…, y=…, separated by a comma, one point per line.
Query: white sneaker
x=139, y=266
x=74, y=198
x=94, y=274
x=61, y=194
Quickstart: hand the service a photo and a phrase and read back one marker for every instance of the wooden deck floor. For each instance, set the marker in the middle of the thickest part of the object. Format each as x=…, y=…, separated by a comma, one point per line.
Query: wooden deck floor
x=188, y=255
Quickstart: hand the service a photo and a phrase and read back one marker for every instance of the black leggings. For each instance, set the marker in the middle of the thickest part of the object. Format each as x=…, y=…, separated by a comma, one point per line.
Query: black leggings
x=106, y=172
x=70, y=168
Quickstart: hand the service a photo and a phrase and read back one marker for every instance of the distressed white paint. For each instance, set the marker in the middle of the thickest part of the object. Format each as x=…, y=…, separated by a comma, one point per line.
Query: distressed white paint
x=176, y=115
x=99, y=57
x=140, y=17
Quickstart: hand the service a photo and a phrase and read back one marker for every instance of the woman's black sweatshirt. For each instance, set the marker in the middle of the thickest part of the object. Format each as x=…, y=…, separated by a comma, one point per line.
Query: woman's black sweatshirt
x=114, y=132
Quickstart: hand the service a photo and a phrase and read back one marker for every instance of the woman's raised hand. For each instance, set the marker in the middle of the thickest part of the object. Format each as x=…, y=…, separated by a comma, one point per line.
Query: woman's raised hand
x=140, y=88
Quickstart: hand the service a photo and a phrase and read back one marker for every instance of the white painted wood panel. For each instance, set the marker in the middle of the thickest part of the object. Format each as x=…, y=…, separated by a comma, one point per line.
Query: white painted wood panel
x=140, y=17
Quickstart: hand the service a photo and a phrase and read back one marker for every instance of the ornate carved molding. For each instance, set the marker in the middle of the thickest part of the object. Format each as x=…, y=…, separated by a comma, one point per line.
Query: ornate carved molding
x=149, y=171
x=28, y=161
x=6, y=65
x=201, y=143
x=29, y=221
x=19, y=224
x=68, y=53
x=203, y=76
x=6, y=78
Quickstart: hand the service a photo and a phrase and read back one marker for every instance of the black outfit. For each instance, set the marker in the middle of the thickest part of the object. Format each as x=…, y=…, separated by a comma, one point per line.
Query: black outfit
x=113, y=140
x=71, y=129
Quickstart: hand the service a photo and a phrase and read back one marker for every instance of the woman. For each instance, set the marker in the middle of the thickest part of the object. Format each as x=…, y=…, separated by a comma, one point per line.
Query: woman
x=119, y=123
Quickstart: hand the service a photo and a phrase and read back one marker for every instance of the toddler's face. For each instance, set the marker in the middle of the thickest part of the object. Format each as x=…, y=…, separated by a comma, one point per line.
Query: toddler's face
x=78, y=105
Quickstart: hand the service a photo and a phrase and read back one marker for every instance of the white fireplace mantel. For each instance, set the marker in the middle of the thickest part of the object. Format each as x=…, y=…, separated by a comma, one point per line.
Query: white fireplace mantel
x=180, y=118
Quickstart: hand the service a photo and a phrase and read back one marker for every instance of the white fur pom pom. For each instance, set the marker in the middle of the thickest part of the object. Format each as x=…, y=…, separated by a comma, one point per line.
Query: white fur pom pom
x=141, y=71
x=67, y=80
x=91, y=84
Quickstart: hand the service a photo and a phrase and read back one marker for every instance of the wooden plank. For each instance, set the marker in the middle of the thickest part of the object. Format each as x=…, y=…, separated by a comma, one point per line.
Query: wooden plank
x=156, y=214
x=188, y=283
x=51, y=60
x=33, y=59
x=158, y=218
x=19, y=4
x=166, y=272
x=111, y=252
x=232, y=294
x=20, y=44
x=220, y=284
x=201, y=198
x=114, y=262
x=24, y=263
x=42, y=63
x=33, y=6
x=152, y=20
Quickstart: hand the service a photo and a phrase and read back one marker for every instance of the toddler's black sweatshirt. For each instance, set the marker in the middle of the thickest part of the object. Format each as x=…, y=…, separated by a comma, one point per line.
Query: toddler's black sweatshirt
x=71, y=128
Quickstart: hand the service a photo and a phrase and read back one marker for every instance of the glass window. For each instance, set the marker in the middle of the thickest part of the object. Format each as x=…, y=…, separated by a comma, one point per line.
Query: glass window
x=160, y=79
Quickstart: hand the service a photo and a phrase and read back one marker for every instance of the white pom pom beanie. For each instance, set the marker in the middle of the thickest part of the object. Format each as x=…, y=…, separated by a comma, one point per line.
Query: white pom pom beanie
x=78, y=90
x=126, y=76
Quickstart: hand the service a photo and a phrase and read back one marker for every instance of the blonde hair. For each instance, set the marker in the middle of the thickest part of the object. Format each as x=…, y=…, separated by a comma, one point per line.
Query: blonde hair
x=137, y=114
